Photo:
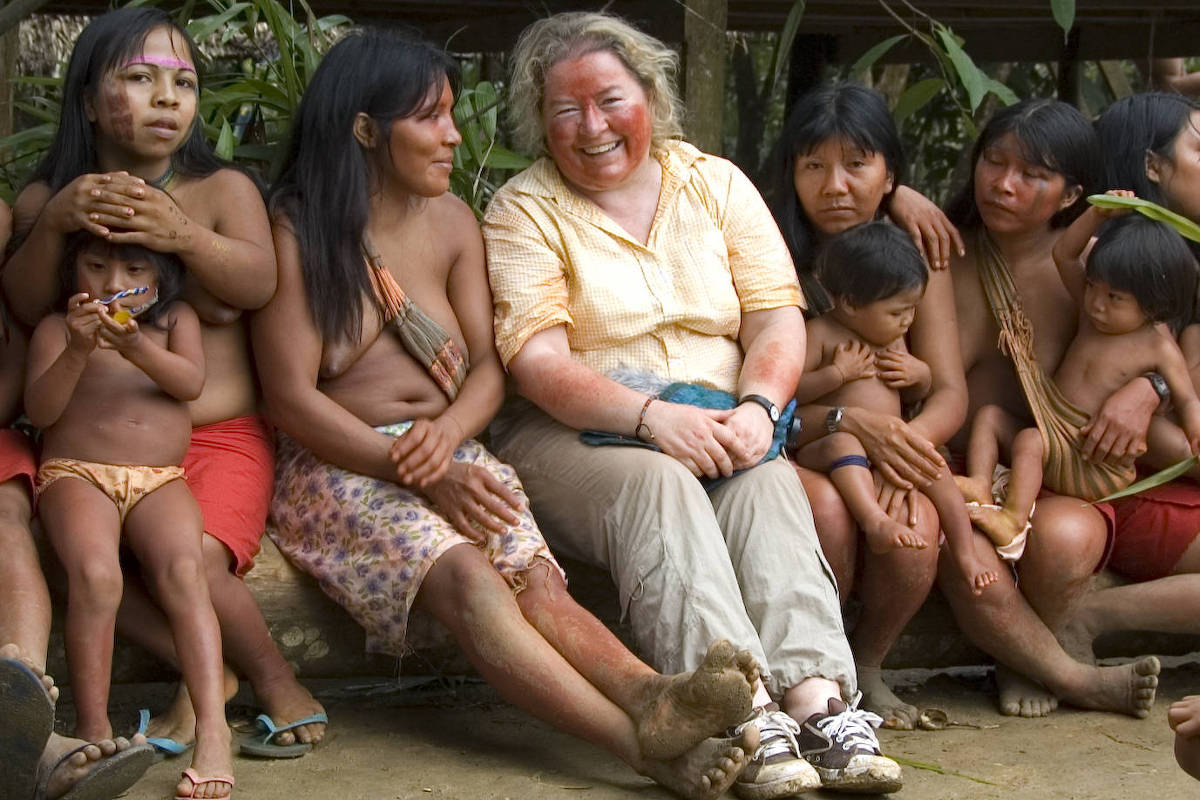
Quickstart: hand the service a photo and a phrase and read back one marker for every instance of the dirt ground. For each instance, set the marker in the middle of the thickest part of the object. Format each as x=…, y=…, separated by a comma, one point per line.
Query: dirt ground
x=461, y=741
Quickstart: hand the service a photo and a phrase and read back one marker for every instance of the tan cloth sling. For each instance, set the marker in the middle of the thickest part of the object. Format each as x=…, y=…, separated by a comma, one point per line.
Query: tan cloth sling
x=424, y=339
x=1065, y=470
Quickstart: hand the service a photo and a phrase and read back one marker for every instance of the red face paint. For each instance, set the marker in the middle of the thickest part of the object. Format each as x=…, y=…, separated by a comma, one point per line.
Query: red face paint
x=597, y=121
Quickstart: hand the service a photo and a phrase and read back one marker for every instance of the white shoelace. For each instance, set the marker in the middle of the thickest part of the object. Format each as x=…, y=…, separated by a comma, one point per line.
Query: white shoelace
x=853, y=727
x=778, y=734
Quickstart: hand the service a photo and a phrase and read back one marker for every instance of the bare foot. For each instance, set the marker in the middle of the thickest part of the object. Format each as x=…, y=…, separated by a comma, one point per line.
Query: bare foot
x=286, y=700
x=1128, y=689
x=884, y=534
x=974, y=490
x=213, y=758
x=978, y=575
x=1184, y=718
x=683, y=710
x=1021, y=697
x=65, y=775
x=879, y=698
x=1000, y=524
x=11, y=651
x=708, y=769
x=179, y=721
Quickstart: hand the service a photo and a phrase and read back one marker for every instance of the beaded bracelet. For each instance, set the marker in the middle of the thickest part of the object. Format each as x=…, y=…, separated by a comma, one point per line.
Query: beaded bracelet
x=642, y=420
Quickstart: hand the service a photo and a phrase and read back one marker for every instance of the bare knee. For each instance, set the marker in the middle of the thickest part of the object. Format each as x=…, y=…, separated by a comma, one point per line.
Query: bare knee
x=181, y=580
x=97, y=584
x=461, y=582
x=1068, y=538
x=544, y=588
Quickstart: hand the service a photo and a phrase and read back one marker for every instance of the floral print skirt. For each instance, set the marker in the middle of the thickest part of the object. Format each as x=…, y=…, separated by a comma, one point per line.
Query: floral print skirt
x=369, y=543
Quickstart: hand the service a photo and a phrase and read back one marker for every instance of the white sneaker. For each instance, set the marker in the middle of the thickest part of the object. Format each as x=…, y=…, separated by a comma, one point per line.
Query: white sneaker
x=843, y=748
x=776, y=769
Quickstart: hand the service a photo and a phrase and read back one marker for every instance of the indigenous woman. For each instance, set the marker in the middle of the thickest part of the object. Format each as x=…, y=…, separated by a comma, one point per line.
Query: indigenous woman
x=1031, y=168
x=130, y=163
x=1151, y=144
x=839, y=164
x=624, y=252
x=378, y=365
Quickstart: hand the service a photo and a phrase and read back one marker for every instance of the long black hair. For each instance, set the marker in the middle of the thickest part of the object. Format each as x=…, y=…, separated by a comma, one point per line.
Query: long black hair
x=168, y=267
x=842, y=111
x=1135, y=127
x=323, y=190
x=107, y=42
x=1051, y=134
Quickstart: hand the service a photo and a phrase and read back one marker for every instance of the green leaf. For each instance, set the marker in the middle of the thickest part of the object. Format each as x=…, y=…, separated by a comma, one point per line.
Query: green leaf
x=1157, y=479
x=783, y=48
x=868, y=59
x=1006, y=95
x=224, y=148
x=1182, y=225
x=1064, y=14
x=503, y=158
x=972, y=79
x=201, y=29
x=915, y=97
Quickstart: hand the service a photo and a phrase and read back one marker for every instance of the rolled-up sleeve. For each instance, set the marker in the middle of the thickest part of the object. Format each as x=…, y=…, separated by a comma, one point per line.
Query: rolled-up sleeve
x=762, y=269
x=527, y=275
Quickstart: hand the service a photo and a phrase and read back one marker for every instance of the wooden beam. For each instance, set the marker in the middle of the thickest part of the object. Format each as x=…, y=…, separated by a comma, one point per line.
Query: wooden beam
x=16, y=10
x=704, y=71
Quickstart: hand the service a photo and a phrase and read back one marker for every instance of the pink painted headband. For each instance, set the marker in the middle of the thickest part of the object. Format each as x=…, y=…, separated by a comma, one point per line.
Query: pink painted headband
x=169, y=63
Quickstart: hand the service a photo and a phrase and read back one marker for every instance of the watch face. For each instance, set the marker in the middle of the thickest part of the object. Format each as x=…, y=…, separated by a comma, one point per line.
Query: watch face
x=774, y=413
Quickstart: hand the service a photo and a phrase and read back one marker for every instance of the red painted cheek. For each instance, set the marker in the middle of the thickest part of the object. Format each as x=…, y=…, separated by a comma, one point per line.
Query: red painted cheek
x=633, y=122
x=120, y=114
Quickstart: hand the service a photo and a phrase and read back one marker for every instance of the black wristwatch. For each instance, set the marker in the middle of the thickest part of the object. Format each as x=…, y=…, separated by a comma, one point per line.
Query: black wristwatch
x=833, y=420
x=1159, y=384
x=771, y=409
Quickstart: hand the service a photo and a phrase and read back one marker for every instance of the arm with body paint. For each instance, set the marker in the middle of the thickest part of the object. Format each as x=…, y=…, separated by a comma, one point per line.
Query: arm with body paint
x=774, y=343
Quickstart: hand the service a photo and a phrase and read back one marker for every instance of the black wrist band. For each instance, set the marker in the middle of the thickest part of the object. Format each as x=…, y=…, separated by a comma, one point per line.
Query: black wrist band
x=1159, y=384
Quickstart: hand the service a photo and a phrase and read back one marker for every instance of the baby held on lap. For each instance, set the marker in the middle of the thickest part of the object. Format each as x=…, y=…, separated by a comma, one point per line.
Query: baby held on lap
x=857, y=357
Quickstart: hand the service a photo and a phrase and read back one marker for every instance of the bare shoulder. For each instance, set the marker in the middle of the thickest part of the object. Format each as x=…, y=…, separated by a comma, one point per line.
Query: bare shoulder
x=225, y=193
x=451, y=212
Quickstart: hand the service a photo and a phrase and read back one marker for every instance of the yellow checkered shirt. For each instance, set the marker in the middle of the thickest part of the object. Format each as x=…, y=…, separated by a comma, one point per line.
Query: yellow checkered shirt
x=672, y=306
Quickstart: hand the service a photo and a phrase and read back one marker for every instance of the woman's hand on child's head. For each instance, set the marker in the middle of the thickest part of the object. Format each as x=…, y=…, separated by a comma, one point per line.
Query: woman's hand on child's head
x=899, y=369
x=854, y=360
x=157, y=223
x=475, y=501
x=93, y=202
x=83, y=321
x=422, y=455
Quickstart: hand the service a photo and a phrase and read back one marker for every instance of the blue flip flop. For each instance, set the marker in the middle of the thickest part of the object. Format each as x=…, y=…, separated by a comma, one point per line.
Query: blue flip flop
x=26, y=722
x=169, y=748
x=261, y=745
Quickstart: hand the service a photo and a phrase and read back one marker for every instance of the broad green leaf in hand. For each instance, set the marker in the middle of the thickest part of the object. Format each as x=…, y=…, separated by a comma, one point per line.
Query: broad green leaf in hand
x=1157, y=479
x=1184, y=226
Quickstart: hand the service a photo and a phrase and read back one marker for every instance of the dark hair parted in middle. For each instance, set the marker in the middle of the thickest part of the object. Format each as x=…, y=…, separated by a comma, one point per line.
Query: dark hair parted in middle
x=1136, y=128
x=1150, y=261
x=869, y=263
x=1051, y=134
x=108, y=41
x=167, y=266
x=324, y=188
x=844, y=111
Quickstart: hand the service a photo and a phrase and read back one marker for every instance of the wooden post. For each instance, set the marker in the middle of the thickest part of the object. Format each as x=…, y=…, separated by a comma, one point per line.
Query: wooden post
x=10, y=41
x=704, y=71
